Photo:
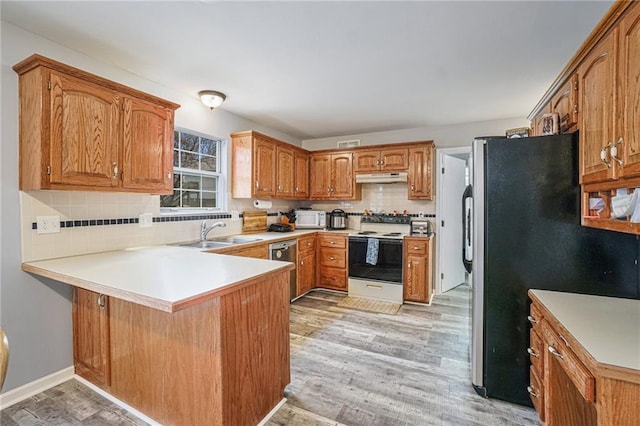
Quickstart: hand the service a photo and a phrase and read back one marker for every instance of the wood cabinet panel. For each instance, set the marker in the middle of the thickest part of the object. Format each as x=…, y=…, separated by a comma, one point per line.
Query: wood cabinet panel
x=306, y=273
x=79, y=131
x=420, y=176
x=91, y=336
x=147, y=146
x=333, y=278
x=597, y=110
x=301, y=165
x=387, y=160
x=332, y=261
x=333, y=257
x=417, y=274
x=264, y=174
x=366, y=161
x=332, y=241
x=536, y=123
x=85, y=124
x=565, y=104
x=536, y=392
x=629, y=94
x=320, y=176
x=260, y=251
x=394, y=160
x=332, y=177
x=342, y=178
x=285, y=172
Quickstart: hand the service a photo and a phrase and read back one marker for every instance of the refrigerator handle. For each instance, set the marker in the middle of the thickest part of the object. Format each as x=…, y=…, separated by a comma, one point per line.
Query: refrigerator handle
x=466, y=228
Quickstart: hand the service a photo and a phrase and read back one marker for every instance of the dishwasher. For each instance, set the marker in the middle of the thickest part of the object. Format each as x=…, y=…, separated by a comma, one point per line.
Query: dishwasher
x=286, y=251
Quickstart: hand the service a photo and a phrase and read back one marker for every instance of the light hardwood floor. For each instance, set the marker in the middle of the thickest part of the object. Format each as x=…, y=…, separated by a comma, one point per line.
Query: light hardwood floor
x=360, y=368
x=347, y=367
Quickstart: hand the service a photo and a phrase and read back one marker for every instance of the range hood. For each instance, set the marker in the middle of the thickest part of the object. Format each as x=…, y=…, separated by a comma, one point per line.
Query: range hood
x=381, y=177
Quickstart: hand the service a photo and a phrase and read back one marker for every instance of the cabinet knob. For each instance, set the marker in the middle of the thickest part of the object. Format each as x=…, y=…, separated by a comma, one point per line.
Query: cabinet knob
x=532, y=320
x=302, y=263
x=169, y=175
x=332, y=258
x=101, y=300
x=413, y=187
x=416, y=247
x=533, y=353
x=409, y=265
x=279, y=187
x=603, y=155
x=614, y=151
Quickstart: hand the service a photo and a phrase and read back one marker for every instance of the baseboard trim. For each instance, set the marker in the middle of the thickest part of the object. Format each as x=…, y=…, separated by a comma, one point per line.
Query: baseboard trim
x=266, y=419
x=116, y=401
x=23, y=392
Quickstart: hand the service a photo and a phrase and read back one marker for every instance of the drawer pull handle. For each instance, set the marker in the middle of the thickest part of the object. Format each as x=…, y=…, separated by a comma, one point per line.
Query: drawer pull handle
x=532, y=320
x=374, y=286
x=332, y=258
x=532, y=353
x=564, y=340
x=416, y=247
x=555, y=353
x=333, y=242
x=533, y=392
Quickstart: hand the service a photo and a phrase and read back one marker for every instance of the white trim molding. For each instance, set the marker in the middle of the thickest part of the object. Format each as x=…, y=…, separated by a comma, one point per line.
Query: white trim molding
x=23, y=392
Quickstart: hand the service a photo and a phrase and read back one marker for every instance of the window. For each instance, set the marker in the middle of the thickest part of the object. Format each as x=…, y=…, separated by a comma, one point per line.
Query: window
x=199, y=163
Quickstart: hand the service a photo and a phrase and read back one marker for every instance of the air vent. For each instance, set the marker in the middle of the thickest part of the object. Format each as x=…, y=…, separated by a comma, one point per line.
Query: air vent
x=349, y=144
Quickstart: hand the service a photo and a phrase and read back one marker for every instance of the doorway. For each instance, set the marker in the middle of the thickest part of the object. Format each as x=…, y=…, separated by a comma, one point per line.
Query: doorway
x=453, y=166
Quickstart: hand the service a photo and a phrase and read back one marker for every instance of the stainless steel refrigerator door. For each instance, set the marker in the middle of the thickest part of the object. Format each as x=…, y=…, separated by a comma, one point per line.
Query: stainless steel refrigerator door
x=477, y=272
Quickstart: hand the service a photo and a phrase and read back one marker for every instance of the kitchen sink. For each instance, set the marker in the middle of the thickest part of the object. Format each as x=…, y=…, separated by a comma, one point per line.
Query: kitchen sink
x=236, y=240
x=205, y=244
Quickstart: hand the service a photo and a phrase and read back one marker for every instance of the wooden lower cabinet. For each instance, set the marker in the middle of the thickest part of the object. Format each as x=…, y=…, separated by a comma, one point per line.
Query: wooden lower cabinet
x=418, y=280
x=260, y=251
x=332, y=261
x=306, y=268
x=224, y=361
x=92, y=359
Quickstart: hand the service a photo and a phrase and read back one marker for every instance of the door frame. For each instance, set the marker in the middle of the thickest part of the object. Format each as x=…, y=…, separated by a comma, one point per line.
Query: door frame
x=440, y=153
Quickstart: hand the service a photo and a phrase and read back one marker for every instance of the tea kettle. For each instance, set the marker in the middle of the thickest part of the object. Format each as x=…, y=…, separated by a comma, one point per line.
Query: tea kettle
x=337, y=219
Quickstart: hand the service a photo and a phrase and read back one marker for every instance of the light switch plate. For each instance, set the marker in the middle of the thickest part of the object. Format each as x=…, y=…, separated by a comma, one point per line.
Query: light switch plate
x=145, y=220
x=48, y=224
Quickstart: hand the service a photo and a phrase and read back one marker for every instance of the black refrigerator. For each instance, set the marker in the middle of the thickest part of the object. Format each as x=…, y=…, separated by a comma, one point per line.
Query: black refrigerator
x=525, y=233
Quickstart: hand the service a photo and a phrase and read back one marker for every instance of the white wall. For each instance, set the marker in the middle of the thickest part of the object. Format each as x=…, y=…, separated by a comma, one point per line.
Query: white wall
x=34, y=312
x=443, y=136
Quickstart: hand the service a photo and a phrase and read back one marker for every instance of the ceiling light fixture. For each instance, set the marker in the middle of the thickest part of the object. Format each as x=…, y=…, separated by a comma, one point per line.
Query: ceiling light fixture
x=211, y=98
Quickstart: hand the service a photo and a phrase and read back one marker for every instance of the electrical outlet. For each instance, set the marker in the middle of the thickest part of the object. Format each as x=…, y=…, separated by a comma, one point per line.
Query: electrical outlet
x=48, y=224
x=145, y=220
x=235, y=215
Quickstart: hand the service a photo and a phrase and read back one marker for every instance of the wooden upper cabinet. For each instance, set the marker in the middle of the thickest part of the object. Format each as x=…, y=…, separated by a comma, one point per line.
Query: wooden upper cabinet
x=264, y=172
x=597, y=84
x=84, y=132
x=628, y=137
x=285, y=172
x=147, y=146
x=332, y=177
x=79, y=131
x=388, y=160
x=565, y=104
x=420, y=179
x=301, y=184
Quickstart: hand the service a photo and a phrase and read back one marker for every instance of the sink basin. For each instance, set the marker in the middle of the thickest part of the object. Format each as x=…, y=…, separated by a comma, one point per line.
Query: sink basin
x=205, y=244
x=236, y=240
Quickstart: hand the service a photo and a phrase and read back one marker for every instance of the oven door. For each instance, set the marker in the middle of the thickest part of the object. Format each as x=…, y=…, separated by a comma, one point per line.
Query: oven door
x=385, y=267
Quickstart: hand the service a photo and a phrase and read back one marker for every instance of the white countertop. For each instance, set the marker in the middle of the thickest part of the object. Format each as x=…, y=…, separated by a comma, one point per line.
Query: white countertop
x=607, y=327
x=162, y=277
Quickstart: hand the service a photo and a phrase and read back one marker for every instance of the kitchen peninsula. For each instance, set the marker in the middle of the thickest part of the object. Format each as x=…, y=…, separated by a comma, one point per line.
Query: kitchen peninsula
x=183, y=336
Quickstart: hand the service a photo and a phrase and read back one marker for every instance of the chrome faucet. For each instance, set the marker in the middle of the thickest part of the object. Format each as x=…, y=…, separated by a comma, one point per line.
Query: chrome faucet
x=204, y=229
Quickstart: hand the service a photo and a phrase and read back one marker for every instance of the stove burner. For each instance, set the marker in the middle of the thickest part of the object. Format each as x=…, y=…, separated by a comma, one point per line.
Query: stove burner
x=392, y=234
x=367, y=232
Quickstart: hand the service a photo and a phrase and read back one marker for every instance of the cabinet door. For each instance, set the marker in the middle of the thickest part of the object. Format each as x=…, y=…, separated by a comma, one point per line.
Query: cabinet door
x=84, y=133
x=264, y=163
x=565, y=104
x=597, y=110
x=306, y=273
x=147, y=148
x=342, y=183
x=366, y=161
x=419, y=177
x=320, y=176
x=301, y=185
x=285, y=172
x=415, y=286
x=394, y=160
x=91, y=336
x=629, y=94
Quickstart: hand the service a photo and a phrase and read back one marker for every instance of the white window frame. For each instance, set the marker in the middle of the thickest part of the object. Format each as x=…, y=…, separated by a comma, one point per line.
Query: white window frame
x=221, y=174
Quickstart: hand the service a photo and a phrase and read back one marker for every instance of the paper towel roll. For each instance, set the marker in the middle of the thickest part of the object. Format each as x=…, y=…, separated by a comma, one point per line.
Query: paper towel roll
x=262, y=204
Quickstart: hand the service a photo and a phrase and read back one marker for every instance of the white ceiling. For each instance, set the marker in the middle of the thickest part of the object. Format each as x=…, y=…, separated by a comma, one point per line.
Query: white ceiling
x=317, y=69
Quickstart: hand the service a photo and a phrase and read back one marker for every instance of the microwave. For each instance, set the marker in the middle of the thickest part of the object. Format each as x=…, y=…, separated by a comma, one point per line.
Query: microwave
x=310, y=219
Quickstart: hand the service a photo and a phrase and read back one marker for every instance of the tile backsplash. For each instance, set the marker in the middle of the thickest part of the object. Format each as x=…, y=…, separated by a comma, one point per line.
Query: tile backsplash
x=90, y=206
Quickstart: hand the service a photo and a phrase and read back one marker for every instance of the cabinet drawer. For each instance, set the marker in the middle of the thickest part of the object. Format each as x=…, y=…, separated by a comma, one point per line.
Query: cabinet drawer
x=536, y=392
x=556, y=347
x=306, y=244
x=417, y=247
x=335, y=241
x=333, y=277
x=335, y=258
x=536, y=352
